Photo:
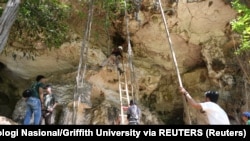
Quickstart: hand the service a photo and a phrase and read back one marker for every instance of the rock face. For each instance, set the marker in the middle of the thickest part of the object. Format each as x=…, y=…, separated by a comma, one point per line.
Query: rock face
x=200, y=38
x=7, y=121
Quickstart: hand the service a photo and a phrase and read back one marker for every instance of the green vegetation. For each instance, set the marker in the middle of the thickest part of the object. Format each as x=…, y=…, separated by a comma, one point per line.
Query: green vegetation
x=42, y=21
x=47, y=21
x=115, y=8
x=1, y=3
x=241, y=25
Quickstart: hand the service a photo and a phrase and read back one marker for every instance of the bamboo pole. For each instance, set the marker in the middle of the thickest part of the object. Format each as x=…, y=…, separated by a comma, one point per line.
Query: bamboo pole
x=175, y=62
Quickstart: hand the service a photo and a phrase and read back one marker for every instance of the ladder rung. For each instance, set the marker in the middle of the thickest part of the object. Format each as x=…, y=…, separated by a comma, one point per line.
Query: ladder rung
x=123, y=115
x=125, y=107
x=124, y=97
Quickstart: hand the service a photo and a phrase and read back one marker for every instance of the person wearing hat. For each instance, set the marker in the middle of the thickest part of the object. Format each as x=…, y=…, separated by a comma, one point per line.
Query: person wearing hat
x=115, y=57
x=215, y=114
x=246, y=118
x=50, y=102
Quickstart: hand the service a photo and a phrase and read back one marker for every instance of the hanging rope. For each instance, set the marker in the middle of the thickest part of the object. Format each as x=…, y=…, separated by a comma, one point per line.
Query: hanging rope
x=80, y=94
x=130, y=59
x=137, y=4
x=175, y=62
x=6, y=21
x=107, y=25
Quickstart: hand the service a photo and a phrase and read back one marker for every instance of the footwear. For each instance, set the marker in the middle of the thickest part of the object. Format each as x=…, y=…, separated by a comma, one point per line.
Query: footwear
x=120, y=71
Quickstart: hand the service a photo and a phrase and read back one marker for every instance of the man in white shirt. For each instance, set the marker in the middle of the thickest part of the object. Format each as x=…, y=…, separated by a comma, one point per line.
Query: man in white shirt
x=215, y=114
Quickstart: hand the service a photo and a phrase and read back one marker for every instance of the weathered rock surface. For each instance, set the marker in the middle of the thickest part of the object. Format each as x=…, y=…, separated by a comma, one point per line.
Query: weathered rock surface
x=199, y=36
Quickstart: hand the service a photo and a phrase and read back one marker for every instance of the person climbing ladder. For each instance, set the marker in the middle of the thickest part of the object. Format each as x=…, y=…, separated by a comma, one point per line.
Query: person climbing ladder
x=115, y=58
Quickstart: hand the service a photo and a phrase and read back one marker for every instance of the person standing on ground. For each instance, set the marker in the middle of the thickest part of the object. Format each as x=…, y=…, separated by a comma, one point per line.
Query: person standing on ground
x=50, y=102
x=133, y=113
x=246, y=118
x=215, y=114
x=34, y=102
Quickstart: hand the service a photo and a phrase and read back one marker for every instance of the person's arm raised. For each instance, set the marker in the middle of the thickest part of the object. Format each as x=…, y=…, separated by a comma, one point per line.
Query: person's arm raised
x=190, y=100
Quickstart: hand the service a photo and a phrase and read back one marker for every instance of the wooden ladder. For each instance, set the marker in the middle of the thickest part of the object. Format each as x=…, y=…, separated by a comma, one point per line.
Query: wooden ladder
x=124, y=91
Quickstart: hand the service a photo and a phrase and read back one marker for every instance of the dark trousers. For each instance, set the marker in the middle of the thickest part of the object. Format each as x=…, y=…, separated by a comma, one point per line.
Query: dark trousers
x=47, y=117
x=133, y=122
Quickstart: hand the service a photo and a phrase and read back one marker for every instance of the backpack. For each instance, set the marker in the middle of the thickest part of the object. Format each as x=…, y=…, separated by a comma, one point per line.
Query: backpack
x=32, y=91
x=27, y=93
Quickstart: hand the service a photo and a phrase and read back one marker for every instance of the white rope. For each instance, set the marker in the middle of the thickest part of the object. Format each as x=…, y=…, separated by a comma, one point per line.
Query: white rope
x=82, y=67
x=174, y=59
x=130, y=59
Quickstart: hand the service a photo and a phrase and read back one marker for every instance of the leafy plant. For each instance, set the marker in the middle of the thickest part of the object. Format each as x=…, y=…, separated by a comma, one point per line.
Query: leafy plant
x=41, y=20
x=116, y=8
x=1, y=3
x=241, y=25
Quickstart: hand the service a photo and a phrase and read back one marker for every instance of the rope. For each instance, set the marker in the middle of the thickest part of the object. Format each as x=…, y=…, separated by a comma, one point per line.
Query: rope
x=126, y=79
x=137, y=4
x=130, y=58
x=6, y=21
x=174, y=59
x=107, y=26
x=82, y=67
